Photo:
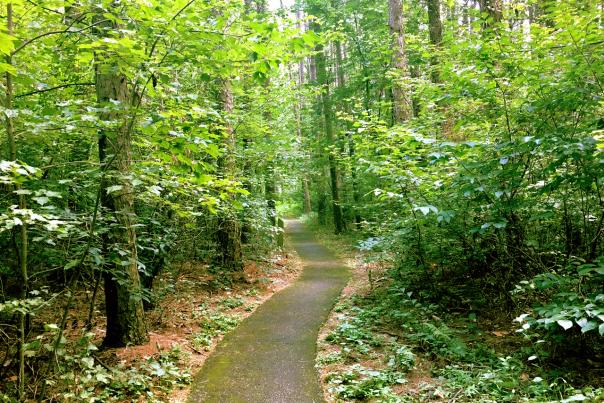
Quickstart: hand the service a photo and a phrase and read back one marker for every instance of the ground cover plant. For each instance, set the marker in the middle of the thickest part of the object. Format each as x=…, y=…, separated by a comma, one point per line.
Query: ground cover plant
x=388, y=342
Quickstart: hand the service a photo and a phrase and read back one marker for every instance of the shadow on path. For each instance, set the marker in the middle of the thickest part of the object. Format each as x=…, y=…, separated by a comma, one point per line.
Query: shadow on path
x=270, y=357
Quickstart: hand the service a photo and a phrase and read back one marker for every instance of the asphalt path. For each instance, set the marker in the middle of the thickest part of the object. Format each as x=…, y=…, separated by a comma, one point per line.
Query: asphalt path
x=270, y=356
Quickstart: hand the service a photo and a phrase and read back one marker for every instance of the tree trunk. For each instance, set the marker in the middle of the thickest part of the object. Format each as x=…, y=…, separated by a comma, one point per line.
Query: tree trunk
x=271, y=193
x=298, y=112
x=351, y=146
x=248, y=170
x=435, y=23
x=21, y=250
x=401, y=94
x=436, y=36
x=123, y=302
x=356, y=194
x=228, y=235
x=493, y=9
x=270, y=186
x=321, y=201
x=327, y=110
x=307, y=203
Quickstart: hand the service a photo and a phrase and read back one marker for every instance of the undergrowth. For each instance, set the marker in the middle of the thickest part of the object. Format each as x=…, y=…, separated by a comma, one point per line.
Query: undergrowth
x=81, y=376
x=461, y=370
x=212, y=324
x=381, y=337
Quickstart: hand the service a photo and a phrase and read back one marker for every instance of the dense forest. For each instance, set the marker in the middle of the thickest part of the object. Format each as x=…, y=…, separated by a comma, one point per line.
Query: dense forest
x=456, y=145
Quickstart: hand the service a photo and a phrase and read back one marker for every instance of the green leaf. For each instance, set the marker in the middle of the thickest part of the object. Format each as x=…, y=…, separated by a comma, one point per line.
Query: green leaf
x=6, y=43
x=41, y=200
x=8, y=68
x=588, y=325
x=113, y=189
x=566, y=324
x=51, y=327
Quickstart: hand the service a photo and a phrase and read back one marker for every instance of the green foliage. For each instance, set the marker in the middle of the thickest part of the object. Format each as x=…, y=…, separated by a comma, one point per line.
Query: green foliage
x=360, y=383
x=467, y=371
x=402, y=359
x=213, y=325
x=232, y=303
x=172, y=60
x=81, y=375
x=496, y=180
x=570, y=311
x=439, y=341
x=353, y=337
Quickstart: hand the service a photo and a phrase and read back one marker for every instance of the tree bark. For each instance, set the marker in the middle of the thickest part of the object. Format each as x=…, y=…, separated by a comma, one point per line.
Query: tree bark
x=436, y=36
x=327, y=110
x=351, y=146
x=493, y=9
x=298, y=112
x=307, y=203
x=270, y=185
x=401, y=94
x=123, y=300
x=228, y=235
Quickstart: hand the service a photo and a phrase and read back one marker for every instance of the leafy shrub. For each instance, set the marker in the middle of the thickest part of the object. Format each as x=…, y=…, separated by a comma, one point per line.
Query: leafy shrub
x=82, y=376
x=439, y=340
x=402, y=359
x=330, y=358
x=232, y=303
x=507, y=380
x=571, y=305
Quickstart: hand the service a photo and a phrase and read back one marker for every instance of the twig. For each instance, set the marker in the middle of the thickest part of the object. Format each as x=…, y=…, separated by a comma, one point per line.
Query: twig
x=58, y=87
x=64, y=31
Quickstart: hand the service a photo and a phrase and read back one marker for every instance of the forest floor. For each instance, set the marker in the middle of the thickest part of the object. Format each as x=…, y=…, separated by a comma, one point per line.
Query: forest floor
x=383, y=343
x=192, y=314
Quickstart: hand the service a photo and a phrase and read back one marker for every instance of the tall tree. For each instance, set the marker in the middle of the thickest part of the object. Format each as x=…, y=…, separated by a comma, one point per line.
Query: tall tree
x=436, y=35
x=20, y=232
x=123, y=297
x=298, y=110
x=401, y=93
x=270, y=185
x=228, y=234
x=330, y=139
x=356, y=196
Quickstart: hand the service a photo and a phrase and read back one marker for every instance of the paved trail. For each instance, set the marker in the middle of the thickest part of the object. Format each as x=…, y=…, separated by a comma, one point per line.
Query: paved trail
x=270, y=357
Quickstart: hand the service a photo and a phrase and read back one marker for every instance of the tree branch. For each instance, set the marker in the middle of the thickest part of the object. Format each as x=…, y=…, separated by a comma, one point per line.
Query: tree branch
x=64, y=31
x=58, y=87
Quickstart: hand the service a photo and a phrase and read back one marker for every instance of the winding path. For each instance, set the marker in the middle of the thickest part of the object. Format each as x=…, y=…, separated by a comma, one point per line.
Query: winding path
x=270, y=357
